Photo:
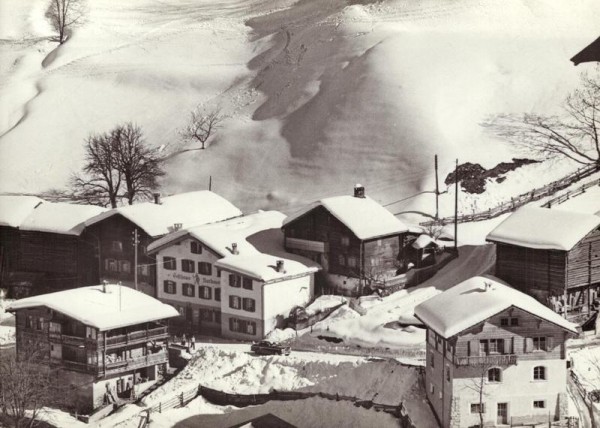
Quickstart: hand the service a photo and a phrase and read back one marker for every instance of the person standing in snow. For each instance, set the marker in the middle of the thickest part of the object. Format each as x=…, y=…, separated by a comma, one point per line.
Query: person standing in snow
x=193, y=342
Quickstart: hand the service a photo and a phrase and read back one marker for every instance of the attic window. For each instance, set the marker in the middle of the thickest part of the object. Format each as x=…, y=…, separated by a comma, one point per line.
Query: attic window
x=345, y=241
x=116, y=246
x=195, y=247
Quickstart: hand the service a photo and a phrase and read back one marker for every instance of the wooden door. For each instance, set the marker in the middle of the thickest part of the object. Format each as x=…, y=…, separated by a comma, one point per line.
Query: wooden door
x=502, y=414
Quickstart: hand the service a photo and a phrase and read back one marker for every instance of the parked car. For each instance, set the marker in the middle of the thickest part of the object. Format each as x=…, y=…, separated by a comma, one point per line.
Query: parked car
x=268, y=348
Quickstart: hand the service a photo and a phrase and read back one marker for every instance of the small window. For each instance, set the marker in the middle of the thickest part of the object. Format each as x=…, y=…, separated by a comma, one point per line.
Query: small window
x=251, y=328
x=247, y=283
x=234, y=302
x=29, y=321
x=169, y=287
x=539, y=373
x=249, y=305
x=218, y=273
x=235, y=281
x=39, y=323
x=495, y=375
x=125, y=266
x=504, y=322
x=206, y=315
x=143, y=270
x=496, y=346
x=432, y=360
x=514, y=322
x=188, y=265
x=345, y=241
x=195, y=247
x=539, y=343
x=204, y=268
x=218, y=294
x=188, y=290
x=352, y=262
x=169, y=263
x=111, y=265
x=205, y=292
x=116, y=246
x=539, y=404
x=342, y=260
x=477, y=408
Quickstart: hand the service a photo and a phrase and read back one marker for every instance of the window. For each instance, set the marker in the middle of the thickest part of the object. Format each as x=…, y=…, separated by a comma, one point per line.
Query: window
x=188, y=290
x=447, y=372
x=239, y=326
x=169, y=263
x=513, y=322
x=342, y=260
x=477, y=408
x=235, y=281
x=124, y=266
x=204, y=268
x=539, y=373
x=205, y=292
x=39, y=323
x=539, y=343
x=495, y=375
x=432, y=360
x=218, y=294
x=143, y=270
x=116, y=246
x=188, y=265
x=29, y=321
x=249, y=305
x=169, y=287
x=206, y=315
x=352, y=261
x=218, y=273
x=247, y=283
x=56, y=328
x=345, y=241
x=539, y=404
x=234, y=302
x=375, y=261
x=250, y=327
x=111, y=265
x=491, y=346
x=195, y=247
x=90, y=333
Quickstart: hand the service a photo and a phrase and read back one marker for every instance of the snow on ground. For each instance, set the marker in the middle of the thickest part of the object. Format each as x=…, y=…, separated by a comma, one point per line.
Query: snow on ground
x=586, y=365
x=323, y=303
x=7, y=335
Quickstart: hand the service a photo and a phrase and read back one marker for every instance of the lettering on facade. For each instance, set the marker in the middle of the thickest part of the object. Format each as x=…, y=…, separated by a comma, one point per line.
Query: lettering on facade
x=180, y=276
x=210, y=281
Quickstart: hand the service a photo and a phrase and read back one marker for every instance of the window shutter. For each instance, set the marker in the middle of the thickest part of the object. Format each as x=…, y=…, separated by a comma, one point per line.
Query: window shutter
x=474, y=348
x=549, y=343
x=528, y=344
x=511, y=346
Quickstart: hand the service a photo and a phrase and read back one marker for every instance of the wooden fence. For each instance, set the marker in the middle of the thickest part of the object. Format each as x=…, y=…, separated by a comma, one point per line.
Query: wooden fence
x=534, y=195
x=300, y=323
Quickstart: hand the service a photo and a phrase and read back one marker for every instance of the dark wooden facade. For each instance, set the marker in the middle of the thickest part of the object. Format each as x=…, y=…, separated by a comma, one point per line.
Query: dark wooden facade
x=323, y=238
x=38, y=262
x=553, y=275
x=115, y=261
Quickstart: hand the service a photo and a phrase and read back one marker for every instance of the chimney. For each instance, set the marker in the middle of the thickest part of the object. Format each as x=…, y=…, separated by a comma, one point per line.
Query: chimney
x=359, y=191
x=234, y=249
x=280, y=266
x=156, y=198
x=177, y=226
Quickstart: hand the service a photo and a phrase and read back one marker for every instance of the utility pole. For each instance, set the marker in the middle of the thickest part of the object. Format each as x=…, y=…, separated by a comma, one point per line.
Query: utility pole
x=456, y=207
x=210, y=182
x=135, y=257
x=437, y=191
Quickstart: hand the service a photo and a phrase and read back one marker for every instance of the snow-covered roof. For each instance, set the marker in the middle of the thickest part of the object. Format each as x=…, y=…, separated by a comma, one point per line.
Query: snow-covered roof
x=219, y=236
x=14, y=209
x=423, y=241
x=60, y=217
x=189, y=209
x=263, y=266
x=120, y=306
x=544, y=228
x=363, y=216
x=470, y=303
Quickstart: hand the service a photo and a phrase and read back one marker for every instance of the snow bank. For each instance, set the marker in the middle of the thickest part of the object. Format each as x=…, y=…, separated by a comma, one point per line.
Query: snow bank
x=7, y=335
x=323, y=303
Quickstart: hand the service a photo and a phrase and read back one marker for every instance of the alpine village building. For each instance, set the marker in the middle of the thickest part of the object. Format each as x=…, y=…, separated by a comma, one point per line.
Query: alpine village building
x=202, y=271
x=495, y=356
x=112, y=233
x=552, y=255
x=41, y=249
x=107, y=342
x=360, y=245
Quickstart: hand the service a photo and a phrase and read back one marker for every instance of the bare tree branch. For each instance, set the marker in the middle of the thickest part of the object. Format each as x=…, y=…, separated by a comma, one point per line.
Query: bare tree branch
x=64, y=15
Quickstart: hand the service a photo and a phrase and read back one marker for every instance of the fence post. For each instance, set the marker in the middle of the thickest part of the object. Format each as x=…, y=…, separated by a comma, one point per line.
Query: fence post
x=181, y=400
x=160, y=407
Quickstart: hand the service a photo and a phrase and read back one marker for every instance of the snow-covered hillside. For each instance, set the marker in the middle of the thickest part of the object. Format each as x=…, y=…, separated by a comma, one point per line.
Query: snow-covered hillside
x=319, y=94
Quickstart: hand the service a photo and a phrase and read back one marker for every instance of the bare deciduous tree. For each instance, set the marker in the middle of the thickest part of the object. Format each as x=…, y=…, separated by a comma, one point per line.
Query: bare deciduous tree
x=25, y=386
x=478, y=385
x=119, y=164
x=573, y=135
x=64, y=15
x=202, y=125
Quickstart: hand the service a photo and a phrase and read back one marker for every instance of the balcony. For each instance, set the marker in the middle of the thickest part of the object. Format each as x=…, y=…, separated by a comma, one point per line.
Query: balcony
x=134, y=337
x=134, y=363
x=486, y=360
x=306, y=245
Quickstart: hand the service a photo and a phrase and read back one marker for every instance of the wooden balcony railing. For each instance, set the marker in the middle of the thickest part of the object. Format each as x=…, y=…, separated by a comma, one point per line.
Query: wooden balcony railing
x=305, y=244
x=134, y=363
x=135, y=337
x=486, y=360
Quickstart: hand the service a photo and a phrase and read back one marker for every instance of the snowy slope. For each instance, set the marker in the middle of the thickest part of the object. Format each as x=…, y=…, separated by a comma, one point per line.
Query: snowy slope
x=319, y=95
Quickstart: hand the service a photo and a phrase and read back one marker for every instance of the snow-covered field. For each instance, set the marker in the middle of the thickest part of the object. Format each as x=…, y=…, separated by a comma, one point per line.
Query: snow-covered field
x=318, y=96
x=7, y=329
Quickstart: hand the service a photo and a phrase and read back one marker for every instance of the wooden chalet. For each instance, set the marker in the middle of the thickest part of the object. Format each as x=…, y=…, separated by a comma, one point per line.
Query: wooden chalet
x=359, y=244
x=113, y=233
x=41, y=249
x=552, y=255
x=106, y=342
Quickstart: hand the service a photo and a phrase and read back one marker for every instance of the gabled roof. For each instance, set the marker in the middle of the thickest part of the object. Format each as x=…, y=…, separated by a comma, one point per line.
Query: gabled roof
x=14, y=209
x=60, y=217
x=363, y=216
x=219, y=236
x=119, y=307
x=189, y=209
x=263, y=266
x=470, y=303
x=544, y=228
x=590, y=53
